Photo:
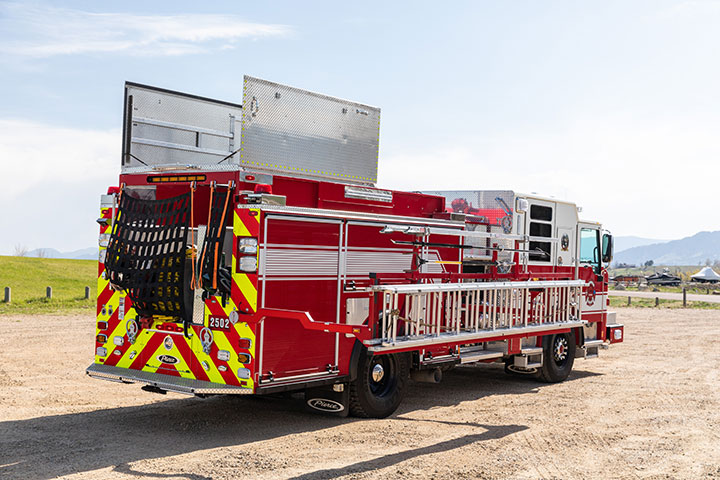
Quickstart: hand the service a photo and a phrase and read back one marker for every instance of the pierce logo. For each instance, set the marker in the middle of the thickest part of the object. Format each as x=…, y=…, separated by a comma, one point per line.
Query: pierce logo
x=325, y=405
x=590, y=294
x=169, y=359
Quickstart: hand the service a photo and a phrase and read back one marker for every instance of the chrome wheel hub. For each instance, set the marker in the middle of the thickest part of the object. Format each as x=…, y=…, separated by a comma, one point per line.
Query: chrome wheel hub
x=560, y=349
x=378, y=372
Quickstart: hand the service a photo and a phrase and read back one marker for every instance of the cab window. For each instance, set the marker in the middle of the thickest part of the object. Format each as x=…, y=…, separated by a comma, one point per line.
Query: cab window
x=541, y=226
x=589, y=251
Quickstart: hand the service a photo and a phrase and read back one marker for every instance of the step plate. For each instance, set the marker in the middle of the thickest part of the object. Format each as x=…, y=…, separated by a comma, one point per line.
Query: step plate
x=480, y=356
x=187, y=386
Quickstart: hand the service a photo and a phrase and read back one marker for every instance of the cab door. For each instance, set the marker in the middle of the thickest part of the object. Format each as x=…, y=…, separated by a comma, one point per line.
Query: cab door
x=589, y=269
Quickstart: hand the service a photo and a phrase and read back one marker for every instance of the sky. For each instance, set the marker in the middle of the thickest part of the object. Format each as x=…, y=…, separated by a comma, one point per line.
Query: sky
x=613, y=105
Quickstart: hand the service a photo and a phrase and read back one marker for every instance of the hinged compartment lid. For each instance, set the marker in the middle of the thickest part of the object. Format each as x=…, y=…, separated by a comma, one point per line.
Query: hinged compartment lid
x=295, y=132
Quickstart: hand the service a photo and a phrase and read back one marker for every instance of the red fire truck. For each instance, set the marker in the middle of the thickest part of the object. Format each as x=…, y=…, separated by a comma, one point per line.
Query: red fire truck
x=247, y=250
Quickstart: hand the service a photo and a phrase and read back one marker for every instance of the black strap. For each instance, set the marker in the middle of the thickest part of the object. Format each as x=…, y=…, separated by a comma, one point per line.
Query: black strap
x=214, y=240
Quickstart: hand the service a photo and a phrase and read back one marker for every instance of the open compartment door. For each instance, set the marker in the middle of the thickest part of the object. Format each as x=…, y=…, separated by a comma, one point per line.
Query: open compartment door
x=166, y=130
x=289, y=131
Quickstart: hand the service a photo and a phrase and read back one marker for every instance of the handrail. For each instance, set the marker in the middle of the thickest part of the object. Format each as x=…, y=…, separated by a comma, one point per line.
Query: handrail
x=416, y=230
x=432, y=287
x=362, y=332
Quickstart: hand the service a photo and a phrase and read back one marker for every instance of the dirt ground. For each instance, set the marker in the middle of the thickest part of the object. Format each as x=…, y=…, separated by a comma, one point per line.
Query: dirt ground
x=647, y=408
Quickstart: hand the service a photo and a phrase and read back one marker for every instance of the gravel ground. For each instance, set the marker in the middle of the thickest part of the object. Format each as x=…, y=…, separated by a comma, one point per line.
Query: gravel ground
x=647, y=408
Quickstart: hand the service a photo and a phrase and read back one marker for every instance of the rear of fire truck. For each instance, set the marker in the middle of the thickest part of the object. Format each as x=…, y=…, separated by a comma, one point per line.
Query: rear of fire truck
x=178, y=280
x=247, y=250
x=167, y=309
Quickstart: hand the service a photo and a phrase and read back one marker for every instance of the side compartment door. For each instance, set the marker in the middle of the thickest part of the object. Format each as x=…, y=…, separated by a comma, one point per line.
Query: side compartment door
x=299, y=266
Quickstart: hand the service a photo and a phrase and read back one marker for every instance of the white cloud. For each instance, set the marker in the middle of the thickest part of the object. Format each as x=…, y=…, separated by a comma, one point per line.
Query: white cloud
x=51, y=181
x=645, y=178
x=43, y=31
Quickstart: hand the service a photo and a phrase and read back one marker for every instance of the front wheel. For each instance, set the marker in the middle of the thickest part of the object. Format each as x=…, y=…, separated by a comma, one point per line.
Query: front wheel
x=558, y=357
x=380, y=384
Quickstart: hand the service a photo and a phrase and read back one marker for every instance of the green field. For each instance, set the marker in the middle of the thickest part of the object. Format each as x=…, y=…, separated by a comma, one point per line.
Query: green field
x=672, y=304
x=28, y=277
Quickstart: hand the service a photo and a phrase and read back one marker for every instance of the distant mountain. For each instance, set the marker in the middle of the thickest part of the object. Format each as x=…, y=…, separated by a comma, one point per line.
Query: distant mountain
x=693, y=250
x=90, y=253
x=623, y=243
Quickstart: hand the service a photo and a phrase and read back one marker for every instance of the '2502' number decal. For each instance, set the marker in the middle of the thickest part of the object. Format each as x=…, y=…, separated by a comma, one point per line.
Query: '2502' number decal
x=218, y=322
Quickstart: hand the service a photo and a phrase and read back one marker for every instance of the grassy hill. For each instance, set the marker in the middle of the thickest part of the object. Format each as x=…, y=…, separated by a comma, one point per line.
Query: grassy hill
x=28, y=277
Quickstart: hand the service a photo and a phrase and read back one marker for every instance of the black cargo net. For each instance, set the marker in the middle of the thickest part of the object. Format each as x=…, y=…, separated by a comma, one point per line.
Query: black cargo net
x=213, y=274
x=146, y=253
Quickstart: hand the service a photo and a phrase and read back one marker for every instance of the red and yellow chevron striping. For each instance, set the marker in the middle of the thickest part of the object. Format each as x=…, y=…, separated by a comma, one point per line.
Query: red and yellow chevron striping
x=170, y=352
x=246, y=224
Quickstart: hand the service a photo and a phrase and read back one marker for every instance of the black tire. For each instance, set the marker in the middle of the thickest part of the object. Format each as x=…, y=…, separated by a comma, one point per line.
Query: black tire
x=558, y=357
x=370, y=398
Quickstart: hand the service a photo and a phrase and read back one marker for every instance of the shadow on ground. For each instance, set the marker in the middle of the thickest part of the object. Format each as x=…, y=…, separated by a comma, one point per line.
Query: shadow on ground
x=51, y=446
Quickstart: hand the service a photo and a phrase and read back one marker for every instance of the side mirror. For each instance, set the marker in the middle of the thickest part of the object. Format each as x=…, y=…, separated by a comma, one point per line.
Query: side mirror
x=607, y=248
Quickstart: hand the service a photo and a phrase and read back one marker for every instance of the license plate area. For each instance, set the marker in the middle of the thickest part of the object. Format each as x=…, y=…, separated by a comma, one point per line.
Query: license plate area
x=219, y=323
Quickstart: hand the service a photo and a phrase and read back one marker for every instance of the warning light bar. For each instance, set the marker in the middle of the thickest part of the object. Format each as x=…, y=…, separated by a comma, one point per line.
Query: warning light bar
x=175, y=178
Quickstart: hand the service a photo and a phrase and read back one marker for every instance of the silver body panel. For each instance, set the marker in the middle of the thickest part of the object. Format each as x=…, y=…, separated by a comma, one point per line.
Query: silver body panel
x=477, y=202
x=171, y=130
x=296, y=132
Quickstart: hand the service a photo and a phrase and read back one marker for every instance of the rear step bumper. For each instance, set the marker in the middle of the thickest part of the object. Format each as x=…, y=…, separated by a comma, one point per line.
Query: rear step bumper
x=591, y=349
x=169, y=383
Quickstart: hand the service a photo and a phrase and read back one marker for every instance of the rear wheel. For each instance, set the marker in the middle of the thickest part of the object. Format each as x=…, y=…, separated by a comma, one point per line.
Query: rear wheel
x=558, y=357
x=380, y=384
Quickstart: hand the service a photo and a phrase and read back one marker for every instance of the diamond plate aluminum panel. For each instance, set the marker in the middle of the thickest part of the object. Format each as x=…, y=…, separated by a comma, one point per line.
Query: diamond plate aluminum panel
x=166, y=129
x=293, y=131
x=465, y=201
x=494, y=206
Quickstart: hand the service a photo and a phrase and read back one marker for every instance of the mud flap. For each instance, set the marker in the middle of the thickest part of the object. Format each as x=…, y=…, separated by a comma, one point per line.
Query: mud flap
x=328, y=401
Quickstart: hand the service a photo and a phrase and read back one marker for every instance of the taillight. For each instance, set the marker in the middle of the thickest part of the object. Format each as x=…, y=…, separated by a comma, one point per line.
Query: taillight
x=615, y=333
x=102, y=325
x=248, y=264
x=245, y=343
x=247, y=246
x=247, y=250
x=169, y=327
